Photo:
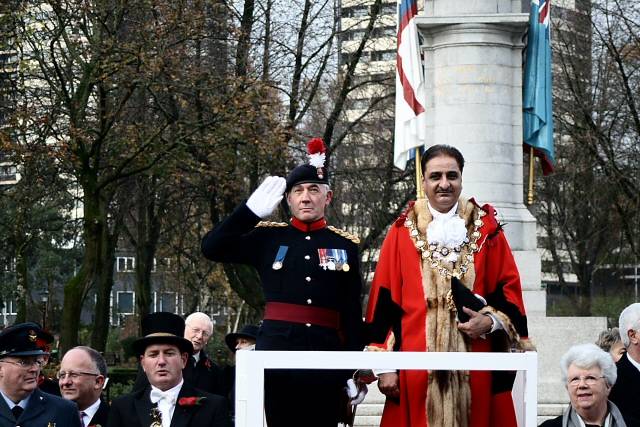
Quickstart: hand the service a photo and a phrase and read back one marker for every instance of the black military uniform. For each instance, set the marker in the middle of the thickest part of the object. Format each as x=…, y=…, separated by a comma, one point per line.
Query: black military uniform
x=311, y=280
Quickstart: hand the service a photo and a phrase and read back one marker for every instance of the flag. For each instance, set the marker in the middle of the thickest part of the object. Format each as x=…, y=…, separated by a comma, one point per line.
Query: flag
x=410, y=120
x=536, y=103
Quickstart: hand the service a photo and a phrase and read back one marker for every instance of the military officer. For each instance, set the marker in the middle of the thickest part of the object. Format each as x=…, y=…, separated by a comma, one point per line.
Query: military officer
x=168, y=400
x=22, y=403
x=311, y=281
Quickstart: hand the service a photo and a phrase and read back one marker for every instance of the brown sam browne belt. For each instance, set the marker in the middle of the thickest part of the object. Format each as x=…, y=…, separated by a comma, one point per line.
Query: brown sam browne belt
x=295, y=313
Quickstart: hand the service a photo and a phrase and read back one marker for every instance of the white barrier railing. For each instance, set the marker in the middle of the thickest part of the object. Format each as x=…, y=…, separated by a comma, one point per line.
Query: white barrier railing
x=250, y=366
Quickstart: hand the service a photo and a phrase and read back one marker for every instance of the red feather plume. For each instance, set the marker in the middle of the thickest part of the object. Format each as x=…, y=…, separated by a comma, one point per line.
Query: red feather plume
x=316, y=145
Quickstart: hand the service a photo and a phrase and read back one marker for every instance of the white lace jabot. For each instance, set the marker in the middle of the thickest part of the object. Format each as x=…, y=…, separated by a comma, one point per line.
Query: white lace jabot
x=446, y=230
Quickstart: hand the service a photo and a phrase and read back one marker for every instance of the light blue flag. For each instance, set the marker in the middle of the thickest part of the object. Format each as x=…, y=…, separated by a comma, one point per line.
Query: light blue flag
x=536, y=103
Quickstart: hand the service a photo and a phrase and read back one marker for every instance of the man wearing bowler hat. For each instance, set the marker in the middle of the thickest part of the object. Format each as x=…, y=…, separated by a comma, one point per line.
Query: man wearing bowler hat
x=22, y=404
x=168, y=401
x=311, y=281
x=245, y=339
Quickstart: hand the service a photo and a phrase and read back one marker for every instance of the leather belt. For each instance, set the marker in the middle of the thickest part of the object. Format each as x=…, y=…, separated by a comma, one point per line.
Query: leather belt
x=295, y=313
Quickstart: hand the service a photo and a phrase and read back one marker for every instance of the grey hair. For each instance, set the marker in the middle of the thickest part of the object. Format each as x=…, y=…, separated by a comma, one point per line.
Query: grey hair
x=586, y=356
x=198, y=315
x=608, y=338
x=96, y=357
x=629, y=319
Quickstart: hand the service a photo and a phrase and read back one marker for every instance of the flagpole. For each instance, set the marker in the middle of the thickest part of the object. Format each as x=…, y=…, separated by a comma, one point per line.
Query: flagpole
x=419, y=189
x=531, y=172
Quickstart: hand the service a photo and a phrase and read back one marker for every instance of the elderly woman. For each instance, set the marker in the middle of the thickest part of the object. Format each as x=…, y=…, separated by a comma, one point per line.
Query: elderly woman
x=589, y=373
x=610, y=340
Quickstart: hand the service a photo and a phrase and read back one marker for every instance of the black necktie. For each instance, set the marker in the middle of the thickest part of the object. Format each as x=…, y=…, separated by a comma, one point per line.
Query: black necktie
x=17, y=411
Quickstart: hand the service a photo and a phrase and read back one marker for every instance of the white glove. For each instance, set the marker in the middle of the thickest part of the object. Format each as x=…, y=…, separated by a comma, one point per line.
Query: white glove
x=356, y=392
x=266, y=197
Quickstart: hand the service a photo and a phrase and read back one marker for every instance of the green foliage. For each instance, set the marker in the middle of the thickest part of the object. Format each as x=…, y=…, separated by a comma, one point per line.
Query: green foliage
x=127, y=347
x=121, y=382
x=604, y=306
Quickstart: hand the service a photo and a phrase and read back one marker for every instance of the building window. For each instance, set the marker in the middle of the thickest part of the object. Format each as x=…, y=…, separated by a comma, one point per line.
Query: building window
x=126, y=302
x=9, y=265
x=125, y=264
x=383, y=55
x=167, y=301
x=10, y=307
x=8, y=173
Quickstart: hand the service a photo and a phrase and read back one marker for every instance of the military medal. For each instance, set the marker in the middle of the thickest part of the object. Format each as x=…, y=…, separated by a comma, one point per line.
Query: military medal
x=278, y=262
x=333, y=259
x=342, y=260
x=322, y=255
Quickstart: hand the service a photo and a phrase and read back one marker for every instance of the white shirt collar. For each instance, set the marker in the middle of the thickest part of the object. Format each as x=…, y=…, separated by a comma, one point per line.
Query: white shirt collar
x=435, y=214
x=172, y=391
x=196, y=356
x=10, y=403
x=90, y=411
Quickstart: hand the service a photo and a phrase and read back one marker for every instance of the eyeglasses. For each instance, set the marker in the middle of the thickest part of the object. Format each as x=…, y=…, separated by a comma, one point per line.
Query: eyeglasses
x=26, y=364
x=588, y=379
x=74, y=375
x=197, y=331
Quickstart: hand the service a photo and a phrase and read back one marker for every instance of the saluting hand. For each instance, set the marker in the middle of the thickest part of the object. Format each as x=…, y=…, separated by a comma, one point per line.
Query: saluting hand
x=477, y=325
x=267, y=196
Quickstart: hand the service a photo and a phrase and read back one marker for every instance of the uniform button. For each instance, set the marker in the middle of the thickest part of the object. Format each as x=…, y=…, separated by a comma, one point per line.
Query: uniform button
x=308, y=325
x=307, y=237
x=307, y=257
x=309, y=301
x=308, y=279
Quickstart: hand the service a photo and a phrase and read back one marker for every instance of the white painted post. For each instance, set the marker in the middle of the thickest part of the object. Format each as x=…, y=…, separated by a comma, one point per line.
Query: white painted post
x=250, y=366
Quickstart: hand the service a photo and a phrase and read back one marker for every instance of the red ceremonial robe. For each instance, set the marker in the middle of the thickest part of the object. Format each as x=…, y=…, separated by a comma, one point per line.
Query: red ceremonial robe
x=397, y=317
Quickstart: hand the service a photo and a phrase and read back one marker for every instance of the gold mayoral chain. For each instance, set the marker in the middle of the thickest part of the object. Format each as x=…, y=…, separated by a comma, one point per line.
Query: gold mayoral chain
x=427, y=250
x=156, y=417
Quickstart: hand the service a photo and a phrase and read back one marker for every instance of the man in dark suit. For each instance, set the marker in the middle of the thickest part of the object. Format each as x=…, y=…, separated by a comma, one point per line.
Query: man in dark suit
x=626, y=391
x=168, y=401
x=311, y=281
x=82, y=376
x=201, y=371
x=22, y=404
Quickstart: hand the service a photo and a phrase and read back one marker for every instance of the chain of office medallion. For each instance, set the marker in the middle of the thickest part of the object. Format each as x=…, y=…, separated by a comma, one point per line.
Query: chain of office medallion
x=426, y=250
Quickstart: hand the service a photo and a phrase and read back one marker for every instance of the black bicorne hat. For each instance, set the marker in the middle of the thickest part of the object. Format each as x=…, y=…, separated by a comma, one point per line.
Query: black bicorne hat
x=21, y=340
x=247, y=331
x=162, y=328
x=314, y=171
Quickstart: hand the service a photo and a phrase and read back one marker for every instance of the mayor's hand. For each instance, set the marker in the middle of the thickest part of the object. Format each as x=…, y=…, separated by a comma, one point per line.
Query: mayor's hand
x=267, y=196
x=477, y=325
x=388, y=384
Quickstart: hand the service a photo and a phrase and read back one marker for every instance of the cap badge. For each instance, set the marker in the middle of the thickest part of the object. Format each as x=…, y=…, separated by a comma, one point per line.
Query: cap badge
x=32, y=335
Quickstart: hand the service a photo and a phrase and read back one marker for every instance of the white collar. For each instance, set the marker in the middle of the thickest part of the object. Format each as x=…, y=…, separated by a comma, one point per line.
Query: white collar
x=10, y=403
x=173, y=392
x=436, y=214
x=196, y=356
x=91, y=410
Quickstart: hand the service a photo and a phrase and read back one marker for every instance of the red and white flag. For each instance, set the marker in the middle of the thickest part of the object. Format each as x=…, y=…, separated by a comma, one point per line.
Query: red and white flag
x=410, y=125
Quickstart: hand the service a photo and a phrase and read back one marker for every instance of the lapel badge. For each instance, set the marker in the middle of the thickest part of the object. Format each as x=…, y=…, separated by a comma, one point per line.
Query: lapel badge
x=32, y=335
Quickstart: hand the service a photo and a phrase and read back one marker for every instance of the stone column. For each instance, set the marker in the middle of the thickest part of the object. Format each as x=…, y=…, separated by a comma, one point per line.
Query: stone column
x=472, y=51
